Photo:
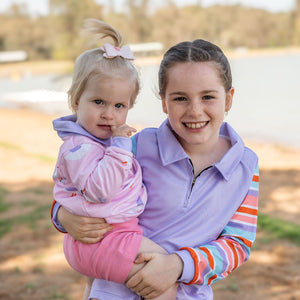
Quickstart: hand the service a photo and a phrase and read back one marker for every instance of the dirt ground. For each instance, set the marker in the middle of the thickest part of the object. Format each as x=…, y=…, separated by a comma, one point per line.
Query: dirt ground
x=32, y=264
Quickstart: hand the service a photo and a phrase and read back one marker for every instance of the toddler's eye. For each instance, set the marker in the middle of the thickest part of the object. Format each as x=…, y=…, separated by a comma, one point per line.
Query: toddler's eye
x=98, y=101
x=119, y=105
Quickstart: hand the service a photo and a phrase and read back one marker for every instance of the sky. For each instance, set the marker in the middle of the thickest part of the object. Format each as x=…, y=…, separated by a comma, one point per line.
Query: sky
x=40, y=7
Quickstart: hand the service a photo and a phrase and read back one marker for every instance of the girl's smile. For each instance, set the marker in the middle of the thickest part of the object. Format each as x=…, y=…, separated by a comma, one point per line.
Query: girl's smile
x=195, y=125
x=196, y=101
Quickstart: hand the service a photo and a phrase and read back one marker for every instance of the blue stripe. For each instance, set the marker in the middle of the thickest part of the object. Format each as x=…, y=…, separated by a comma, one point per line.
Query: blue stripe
x=254, y=185
x=133, y=145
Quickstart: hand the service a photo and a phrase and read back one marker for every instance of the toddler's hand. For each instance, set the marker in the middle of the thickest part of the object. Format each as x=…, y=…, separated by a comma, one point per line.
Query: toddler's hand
x=123, y=130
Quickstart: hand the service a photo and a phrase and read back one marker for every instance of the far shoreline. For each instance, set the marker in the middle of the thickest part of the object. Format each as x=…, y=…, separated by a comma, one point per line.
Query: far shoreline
x=39, y=67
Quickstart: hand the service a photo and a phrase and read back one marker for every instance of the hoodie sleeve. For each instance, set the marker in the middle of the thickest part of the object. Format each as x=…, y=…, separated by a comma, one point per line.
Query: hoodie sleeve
x=97, y=172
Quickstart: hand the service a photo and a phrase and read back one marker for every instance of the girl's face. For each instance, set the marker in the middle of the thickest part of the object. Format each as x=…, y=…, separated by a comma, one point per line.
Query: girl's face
x=103, y=103
x=196, y=101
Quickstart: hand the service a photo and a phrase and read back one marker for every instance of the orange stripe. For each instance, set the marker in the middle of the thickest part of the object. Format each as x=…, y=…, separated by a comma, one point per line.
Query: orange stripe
x=255, y=178
x=52, y=206
x=211, y=279
x=245, y=241
x=234, y=254
x=209, y=256
x=247, y=210
x=195, y=259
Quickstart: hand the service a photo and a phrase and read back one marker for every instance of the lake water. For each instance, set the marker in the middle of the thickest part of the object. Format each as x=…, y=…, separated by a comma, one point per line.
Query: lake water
x=266, y=104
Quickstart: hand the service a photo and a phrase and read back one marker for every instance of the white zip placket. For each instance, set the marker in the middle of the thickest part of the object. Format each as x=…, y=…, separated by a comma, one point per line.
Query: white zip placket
x=188, y=199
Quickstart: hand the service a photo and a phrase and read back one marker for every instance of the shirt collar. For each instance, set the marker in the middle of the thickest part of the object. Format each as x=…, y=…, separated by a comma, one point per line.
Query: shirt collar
x=171, y=151
x=233, y=156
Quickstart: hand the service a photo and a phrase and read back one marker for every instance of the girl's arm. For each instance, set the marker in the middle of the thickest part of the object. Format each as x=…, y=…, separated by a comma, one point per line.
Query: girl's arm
x=208, y=263
x=216, y=260
x=84, y=229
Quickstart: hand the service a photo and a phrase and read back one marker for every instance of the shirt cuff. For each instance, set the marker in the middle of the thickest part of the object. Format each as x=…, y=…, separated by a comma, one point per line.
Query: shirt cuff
x=188, y=271
x=55, y=222
x=123, y=143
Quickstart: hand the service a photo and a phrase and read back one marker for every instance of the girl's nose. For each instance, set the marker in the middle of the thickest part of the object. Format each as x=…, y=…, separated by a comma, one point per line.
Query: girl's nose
x=107, y=113
x=195, y=108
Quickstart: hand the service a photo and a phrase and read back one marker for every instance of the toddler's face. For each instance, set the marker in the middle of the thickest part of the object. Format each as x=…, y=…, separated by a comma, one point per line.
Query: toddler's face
x=103, y=103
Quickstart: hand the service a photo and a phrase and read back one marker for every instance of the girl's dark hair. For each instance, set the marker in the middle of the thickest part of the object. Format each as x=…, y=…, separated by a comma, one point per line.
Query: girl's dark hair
x=195, y=51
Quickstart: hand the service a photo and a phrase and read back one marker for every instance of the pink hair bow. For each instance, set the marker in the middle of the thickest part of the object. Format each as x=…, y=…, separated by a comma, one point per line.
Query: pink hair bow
x=110, y=51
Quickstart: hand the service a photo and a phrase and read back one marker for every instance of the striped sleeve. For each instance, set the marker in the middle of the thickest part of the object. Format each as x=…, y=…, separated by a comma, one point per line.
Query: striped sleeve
x=215, y=260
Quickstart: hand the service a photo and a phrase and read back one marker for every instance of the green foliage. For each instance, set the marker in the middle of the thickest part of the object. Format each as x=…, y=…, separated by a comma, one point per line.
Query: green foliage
x=279, y=228
x=58, y=35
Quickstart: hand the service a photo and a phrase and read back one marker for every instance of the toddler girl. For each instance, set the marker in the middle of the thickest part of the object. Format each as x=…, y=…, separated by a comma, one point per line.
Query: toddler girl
x=96, y=173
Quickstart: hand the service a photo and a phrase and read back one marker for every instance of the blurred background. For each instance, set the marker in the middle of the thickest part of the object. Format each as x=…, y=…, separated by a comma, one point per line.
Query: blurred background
x=261, y=38
x=39, y=41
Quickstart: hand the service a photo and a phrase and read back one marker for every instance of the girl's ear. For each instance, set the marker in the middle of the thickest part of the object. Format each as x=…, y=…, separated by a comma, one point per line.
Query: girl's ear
x=163, y=104
x=228, y=101
x=75, y=106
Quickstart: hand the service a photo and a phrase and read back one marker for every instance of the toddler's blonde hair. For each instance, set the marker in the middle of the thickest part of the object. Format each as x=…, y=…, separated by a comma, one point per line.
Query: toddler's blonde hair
x=92, y=62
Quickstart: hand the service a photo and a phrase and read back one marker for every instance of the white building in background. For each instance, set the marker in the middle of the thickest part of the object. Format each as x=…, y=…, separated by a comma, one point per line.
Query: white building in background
x=12, y=56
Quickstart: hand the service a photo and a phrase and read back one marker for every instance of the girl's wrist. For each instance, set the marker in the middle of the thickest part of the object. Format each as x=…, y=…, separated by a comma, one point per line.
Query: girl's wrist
x=177, y=263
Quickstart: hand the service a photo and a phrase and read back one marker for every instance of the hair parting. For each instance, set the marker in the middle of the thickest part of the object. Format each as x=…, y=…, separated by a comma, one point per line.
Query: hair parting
x=196, y=51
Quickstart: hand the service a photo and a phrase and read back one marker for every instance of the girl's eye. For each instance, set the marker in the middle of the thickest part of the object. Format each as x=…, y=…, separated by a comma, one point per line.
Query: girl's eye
x=207, y=97
x=98, y=101
x=119, y=105
x=180, y=99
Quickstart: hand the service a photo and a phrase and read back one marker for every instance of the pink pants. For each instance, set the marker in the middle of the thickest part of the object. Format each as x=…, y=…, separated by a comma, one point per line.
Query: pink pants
x=111, y=258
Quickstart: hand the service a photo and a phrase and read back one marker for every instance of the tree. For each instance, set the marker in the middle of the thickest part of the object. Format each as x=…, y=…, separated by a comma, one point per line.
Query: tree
x=66, y=18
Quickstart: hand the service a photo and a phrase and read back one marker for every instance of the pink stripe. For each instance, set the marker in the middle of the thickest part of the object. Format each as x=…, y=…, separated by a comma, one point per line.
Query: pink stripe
x=202, y=265
x=240, y=253
x=229, y=255
x=250, y=200
x=245, y=218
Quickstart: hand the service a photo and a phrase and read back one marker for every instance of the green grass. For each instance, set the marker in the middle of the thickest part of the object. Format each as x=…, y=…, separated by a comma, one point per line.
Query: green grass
x=42, y=157
x=279, y=228
x=30, y=219
x=5, y=227
x=9, y=146
x=3, y=204
x=59, y=296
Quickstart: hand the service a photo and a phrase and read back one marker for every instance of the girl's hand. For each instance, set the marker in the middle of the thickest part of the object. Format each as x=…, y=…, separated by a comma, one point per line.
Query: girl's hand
x=123, y=130
x=160, y=273
x=84, y=229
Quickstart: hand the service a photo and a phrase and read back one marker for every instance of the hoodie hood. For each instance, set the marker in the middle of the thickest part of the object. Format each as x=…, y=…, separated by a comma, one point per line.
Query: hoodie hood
x=67, y=125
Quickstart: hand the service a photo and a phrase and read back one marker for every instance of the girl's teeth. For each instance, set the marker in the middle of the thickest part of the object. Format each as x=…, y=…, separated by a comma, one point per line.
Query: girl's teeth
x=195, y=125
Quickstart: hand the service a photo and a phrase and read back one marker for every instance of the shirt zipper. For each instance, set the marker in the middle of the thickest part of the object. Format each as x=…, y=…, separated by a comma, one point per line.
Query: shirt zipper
x=187, y=202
